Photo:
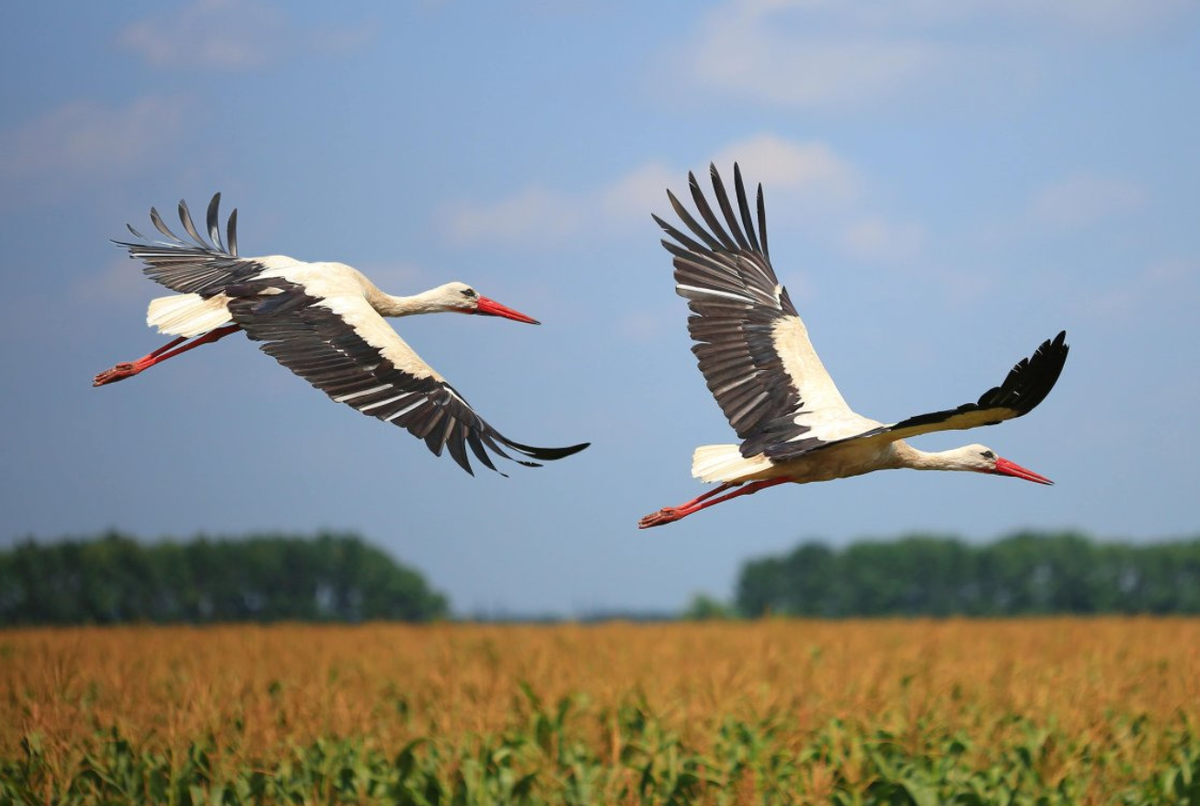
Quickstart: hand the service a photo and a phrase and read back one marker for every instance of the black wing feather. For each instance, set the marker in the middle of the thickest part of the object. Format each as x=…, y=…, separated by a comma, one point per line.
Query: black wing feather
x=691, y=223
x=198, y=267
x=762, y=224
x=185, y=218
x=736, y=301
x=727, y=210
x=744, y=209
x=319, y=346
x=214, y=223
x=707, y=214
x=161, y=226
x=231, y=232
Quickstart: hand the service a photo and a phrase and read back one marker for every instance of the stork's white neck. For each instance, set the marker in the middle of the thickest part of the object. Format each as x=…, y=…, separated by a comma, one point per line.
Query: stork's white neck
x=905, y=455
x=431, y=301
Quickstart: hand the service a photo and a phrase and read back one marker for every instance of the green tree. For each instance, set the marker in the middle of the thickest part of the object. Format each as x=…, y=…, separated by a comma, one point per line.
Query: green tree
x=115, y=578
x=1022, y=574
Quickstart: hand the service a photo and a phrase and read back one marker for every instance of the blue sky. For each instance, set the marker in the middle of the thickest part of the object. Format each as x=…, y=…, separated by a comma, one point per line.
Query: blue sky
x=948, y=184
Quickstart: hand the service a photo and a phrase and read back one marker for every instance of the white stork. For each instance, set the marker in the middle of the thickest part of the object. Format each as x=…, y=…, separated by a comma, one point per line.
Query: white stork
x=755, y=353
x=324, y=322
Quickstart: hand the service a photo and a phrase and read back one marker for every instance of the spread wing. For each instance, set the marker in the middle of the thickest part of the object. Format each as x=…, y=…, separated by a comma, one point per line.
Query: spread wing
x=752, y=346
x=343, y=347
x=1026, y=385
x=200, y=267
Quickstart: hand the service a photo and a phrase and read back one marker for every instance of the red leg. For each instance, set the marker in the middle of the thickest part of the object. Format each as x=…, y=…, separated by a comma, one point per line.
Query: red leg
x=714, y=491
x=167, y=346
x=672, y=514
x=130, y=368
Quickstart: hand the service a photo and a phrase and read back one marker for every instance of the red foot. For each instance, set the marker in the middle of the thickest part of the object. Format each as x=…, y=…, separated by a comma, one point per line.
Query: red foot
x=662, y=517
x=118, y=373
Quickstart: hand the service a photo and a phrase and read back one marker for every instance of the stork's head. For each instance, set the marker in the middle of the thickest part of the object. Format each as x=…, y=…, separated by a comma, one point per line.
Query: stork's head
x=462, y=298
x=983, y=459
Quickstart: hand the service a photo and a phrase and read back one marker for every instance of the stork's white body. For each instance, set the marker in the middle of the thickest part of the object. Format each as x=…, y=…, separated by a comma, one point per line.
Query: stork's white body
x=343, y=289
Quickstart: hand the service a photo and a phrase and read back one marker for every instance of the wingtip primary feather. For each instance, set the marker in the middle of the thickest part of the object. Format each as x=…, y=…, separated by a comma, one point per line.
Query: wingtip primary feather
x=547, y=454
x=185, y=218
x=231, y=233
x=726, y=207
x=706, y=212
x=762, y=222
x=214, y=221
x=161, y=226
x=212, y=229
x=744, y=207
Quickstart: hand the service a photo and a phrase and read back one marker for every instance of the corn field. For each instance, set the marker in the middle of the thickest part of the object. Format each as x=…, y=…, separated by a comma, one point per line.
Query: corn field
x=1046, y=711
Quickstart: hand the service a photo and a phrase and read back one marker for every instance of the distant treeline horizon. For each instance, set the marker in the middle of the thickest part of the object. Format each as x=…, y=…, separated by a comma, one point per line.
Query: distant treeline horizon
x=115, y=578
x=1027, y=573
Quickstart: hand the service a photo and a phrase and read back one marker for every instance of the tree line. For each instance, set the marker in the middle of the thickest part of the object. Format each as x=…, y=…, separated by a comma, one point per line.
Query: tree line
x=270, y=577
x=339, y=577
x=1028, y=573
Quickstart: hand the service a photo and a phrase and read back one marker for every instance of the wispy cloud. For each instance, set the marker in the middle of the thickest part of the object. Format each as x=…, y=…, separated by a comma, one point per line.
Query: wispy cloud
x=801, y=173
x=808, y=169
x=1141, y=293
x=229, y=35
x=1085, y=199
x=876, y=238
x=746, y=57
x=1106, y=18
x=1115, y=17
x=807, y=183
x=630, y=197
x=83, y=140
x=535, y=214
x=821, y=53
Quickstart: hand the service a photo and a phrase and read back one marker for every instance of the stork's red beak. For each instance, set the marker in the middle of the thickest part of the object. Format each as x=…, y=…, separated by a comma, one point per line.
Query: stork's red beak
x=489, y=307
x=1007, y=468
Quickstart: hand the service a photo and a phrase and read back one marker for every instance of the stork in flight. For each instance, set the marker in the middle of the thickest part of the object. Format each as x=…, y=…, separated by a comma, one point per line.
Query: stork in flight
x=754, y=351
x=324, y=322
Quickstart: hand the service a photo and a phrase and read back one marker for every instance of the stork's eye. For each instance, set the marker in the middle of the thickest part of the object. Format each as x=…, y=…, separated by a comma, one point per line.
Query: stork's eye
x=988, y=455
x=469, y=293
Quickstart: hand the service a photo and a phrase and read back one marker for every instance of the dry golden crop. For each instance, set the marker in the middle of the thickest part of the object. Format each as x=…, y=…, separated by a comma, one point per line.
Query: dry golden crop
x=1095, y=704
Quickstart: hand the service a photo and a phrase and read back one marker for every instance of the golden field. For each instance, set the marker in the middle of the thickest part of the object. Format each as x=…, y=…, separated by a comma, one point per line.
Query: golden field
x=767, y=711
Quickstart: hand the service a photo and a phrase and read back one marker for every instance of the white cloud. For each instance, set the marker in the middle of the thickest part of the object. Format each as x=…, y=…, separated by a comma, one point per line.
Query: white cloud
x=534, y=214
x=1096, y=17
x=821, y=53
x=230, y=35
x=807, y=54
x=810, y=168
x=87, y=140
x=1063, y=16
x=805, y=174
x=1085, y=199
x=769, y=66
x=875, y=238
x=1140, y=293
x=631, y=197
